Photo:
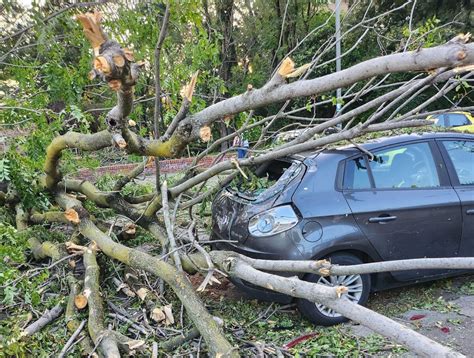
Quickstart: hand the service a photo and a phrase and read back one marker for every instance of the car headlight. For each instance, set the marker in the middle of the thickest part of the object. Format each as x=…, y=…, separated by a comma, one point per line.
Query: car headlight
x=273, y=221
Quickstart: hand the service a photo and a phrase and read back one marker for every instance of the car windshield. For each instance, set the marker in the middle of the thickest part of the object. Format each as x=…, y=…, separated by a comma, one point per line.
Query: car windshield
x=266, y=181
x=281, y=183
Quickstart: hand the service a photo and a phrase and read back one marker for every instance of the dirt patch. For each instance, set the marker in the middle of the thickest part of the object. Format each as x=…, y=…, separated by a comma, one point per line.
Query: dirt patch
x=223, y=290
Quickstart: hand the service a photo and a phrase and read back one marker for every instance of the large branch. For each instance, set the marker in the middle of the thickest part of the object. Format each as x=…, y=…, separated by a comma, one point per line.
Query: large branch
x=86, y=142
x=325, y=268
x=452, y=54
x=236, y=267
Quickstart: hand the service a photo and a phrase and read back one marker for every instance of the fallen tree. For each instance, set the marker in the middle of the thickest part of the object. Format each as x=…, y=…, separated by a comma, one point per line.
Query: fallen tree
x=116, y=66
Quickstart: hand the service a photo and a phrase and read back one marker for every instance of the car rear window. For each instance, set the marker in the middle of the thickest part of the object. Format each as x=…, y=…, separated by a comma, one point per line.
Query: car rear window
x=356, y=175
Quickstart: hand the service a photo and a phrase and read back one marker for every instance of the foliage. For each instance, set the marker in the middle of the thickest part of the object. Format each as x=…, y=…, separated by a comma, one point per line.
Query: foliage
x=4, y=169
x=253, y=185
x=23, y=174
x=13, y=246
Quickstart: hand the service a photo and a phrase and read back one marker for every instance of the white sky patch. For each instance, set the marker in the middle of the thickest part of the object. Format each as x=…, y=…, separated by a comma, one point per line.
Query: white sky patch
x=28, y=4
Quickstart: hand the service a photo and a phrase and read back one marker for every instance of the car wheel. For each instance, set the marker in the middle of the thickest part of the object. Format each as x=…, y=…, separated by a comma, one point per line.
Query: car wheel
x=358, y=285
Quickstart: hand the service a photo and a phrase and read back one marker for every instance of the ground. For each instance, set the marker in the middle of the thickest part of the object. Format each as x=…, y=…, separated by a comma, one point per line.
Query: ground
x=442, y=310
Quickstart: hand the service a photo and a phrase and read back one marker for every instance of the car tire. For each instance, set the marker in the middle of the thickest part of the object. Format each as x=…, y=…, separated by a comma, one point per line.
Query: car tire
x=320, y=314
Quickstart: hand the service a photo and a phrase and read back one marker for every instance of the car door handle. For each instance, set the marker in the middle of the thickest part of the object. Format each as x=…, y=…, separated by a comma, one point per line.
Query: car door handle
x=382, y=219
x=470, y=212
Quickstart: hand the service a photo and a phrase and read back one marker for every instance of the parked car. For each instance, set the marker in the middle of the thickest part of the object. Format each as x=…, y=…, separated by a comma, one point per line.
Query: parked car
x=413, y=198
x=457, y=121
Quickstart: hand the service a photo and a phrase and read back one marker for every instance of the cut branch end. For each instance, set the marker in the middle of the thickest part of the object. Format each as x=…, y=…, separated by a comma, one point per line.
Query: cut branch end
x=72, y=216
x=91, y=25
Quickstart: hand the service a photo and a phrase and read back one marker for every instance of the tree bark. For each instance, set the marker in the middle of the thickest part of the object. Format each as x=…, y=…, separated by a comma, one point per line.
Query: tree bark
x=99, y=334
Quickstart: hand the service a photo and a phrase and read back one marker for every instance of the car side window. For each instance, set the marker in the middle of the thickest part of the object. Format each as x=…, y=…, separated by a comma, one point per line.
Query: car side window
x=457, y=120
x=461, y=154
x=407, y=166
x=440, y=120
x=356, y=175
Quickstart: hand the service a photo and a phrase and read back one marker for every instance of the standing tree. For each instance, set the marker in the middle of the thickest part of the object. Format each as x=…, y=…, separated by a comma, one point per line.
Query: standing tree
x=372, y=103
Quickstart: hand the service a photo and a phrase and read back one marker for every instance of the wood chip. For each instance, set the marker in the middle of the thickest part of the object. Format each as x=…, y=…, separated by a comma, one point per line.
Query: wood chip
x=169, y=315
x=299, y=71
x=130, y=228
x=158, y=315
x=340, y=290
x=126, y=289
x=91, y=25
x=150, y=162
x=134, y=344
x=188, y=90
x=142, y=292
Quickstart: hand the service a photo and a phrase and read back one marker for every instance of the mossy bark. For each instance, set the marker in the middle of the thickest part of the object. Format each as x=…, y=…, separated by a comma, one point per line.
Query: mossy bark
x=41, y=250
x=99, y=334
x=72, y=323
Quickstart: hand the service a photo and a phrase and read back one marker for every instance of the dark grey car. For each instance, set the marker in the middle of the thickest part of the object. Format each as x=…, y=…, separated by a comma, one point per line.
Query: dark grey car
x=409, y=196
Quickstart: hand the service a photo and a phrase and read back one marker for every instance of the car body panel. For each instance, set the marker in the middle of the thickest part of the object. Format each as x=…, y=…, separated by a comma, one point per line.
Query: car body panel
x=326, y=210
x=466, y=196
x=412, y=234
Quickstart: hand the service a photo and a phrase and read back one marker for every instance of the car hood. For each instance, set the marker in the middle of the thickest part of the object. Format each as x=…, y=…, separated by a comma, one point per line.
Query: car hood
x=232, y=210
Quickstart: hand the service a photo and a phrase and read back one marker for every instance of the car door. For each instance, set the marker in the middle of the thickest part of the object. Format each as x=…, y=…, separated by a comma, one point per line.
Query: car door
x=404, y=204
x=459, y=157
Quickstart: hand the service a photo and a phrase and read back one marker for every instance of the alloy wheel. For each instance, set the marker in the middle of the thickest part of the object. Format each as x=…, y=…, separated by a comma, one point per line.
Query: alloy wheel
x=354, y=285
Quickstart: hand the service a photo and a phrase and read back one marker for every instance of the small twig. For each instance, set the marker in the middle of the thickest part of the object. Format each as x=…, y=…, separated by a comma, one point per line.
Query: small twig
x=157, y=113
x=169, y=229
x=237, y=165
x=71, y=340
x=132, y=324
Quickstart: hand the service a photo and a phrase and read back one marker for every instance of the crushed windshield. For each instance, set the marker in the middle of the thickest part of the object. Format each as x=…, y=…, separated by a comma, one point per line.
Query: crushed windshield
x=267, y=181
